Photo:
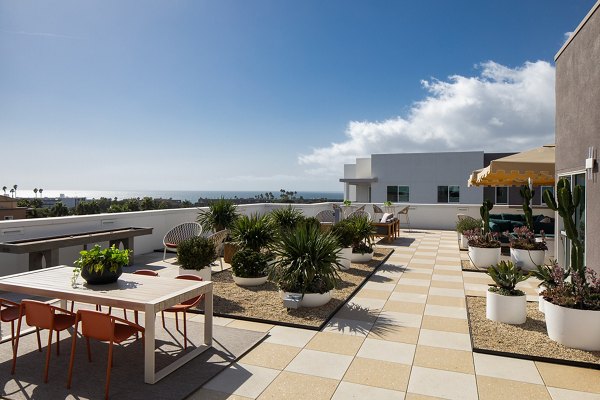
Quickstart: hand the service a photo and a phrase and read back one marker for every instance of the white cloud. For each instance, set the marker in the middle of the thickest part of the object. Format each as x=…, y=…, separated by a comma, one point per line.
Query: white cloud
x=502, y=109
x=567, y=36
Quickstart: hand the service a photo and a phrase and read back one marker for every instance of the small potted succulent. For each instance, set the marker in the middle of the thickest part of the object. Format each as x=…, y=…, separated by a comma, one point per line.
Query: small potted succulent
x=252, y=235
x=100, y=266
x=505, y=303
x=484, y=246
x=463, y=225
x=547, y=278
x=525, y=250
x=195, y=255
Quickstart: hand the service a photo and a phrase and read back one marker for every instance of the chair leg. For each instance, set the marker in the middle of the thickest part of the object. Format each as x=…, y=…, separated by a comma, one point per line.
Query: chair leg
x=177, y=321
x=37, y=333
x=135, y=318
x=72, y=358
x=16, y=346
x=57, y=343
x=125, y=313
x=89, y=351
x=48, y=353
x=108, y=367
x=184, y=330
x=12, y=333
x=221, y=262
x=162, y=314
x=165, y=254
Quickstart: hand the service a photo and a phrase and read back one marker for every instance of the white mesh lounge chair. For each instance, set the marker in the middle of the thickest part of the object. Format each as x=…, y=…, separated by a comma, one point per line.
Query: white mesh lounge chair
x=325, y=216
x=218, y=238
x=404, y=212
x=377, y=213
x=180, y=233
x=360, y=213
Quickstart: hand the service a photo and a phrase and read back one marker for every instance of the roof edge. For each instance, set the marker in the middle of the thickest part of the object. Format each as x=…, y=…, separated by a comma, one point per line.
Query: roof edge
x=576, y=31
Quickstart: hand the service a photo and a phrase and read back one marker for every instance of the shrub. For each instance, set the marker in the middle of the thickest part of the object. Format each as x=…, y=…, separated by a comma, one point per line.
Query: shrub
x=252, y=232
x=196, y=253
x=467, y=224
x=248, y=263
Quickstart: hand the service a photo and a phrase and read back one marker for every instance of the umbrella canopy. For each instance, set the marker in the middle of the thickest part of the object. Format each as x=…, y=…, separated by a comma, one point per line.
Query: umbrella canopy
x=515, y=170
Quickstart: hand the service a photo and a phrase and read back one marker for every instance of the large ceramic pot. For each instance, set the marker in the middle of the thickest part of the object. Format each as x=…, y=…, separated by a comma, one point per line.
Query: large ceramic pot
x=507, y=309
x=345, y=257
x=309, y=299
x=483, y=257
x=540, y=289
x=578, y=329
x=249, y=281
x=204, y=273
x=528, y=260
x=100, y=278
x=361, y=258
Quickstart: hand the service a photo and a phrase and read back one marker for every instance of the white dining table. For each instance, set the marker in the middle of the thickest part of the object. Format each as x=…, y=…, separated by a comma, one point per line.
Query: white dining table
x=147, y=294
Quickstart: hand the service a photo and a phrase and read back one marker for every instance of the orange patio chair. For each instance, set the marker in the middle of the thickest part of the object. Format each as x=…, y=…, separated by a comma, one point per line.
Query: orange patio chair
x=183, y=307
x=105, y=328
x=9, y=312
x=43, y=316
x=147, y=272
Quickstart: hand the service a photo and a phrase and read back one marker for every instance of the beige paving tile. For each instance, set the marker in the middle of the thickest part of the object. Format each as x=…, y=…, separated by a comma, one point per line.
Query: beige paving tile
x=402, y=353
x=271, y=355
x=382, y=374
x=447, y=340
x=348, y=327
x=440, y=270
x=373, y=294
x=399, y=319
x=411, y=289
x=436, y=291
x=474, y=293
x=442, y=311
x=422, y=260
x=483, y=279
x=445, y=324
x=414, y=396
x=252, y=326
x=566, y=394
x=410, y=297
x=440, y=383
x=334, y=343
x=243, y=380
x=414, y=274
x=414, y=282
x=421, y=267
x=505, y=367
x=502, y=389
x=320, y=363
x=447, y=285
x=446, y=278
x=386, y=287
x=289, y=385
x=353, y=311
x=446, y=359
x=441, y=261
x=289, y=336
x=566, y=377
x=205, y=394
x=348, y=390
x=449, y=301
x=394, y=333
x=404, y=307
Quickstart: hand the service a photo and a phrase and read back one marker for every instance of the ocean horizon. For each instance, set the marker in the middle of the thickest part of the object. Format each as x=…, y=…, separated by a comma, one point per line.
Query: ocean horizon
x=190, y=195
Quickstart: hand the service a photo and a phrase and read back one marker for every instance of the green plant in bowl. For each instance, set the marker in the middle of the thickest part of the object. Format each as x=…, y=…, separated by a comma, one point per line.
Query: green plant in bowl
x=196, y=253
x=98, y=265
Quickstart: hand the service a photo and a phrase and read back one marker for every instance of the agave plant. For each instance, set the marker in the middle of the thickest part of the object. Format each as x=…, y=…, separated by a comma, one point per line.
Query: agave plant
x=252, y=232
x=220, y=215
x=306, y=260
x=506, y=275
x=286, y=218
x=364, y=233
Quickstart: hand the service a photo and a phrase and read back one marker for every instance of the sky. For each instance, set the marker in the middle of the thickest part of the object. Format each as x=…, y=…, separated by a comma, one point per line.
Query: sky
x=266, y=94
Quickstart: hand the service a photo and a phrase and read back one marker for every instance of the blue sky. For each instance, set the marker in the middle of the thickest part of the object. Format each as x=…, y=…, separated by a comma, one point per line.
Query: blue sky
x=260, y=95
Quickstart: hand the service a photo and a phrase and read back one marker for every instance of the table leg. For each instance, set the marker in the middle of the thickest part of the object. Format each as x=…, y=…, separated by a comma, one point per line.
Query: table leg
x=208, y=317
x=149, y=356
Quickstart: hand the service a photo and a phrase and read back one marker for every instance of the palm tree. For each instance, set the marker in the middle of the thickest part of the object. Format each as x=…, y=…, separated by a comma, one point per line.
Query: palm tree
x=35, y=190
x=40, y=190
x=4, y=189
x=12, y=191
x=15, y=187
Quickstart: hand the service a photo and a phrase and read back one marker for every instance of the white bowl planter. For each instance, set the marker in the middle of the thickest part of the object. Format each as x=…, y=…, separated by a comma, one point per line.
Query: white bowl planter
x=361, y=258
x=249, y=281
x=464, y=243
x=205, y=273
x=310, y=299
x=528, y=260
x=344, y=258
x=507, y=309
x=540, y=289
x=578, y=329
x=483, y=257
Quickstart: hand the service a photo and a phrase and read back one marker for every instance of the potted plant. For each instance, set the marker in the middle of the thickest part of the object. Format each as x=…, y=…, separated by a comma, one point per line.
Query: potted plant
x=484, y=246
x=344, y=232
x=547, y=278
x=504, y=303
x=305, y=264
x=362, y=243
x=525, y=250
x=572, y=307
x=100, y=266
x=463, y=225
x=195, y=255
x=252, y=235
x=286, y=218
x=220, y=215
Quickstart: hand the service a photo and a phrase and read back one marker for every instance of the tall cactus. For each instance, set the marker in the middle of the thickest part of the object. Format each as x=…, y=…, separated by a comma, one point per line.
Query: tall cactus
x=527, y=195
x=566, y=204
x=484, y=210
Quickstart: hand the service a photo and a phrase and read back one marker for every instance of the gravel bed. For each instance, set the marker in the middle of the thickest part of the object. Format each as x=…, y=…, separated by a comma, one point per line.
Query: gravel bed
x=466, y=265
x=263, y=302
x=529, y=339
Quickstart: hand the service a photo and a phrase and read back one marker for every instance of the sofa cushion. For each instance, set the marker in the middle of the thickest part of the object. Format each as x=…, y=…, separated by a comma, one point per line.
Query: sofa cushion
x=513, y=217
x=499, y=225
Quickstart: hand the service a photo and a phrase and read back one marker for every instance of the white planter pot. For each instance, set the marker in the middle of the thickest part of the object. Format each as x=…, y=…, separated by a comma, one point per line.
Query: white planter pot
x=361, y=258
x=205, y=273
x=578, y=329
x=540, y=298
x=484, y=257
x=464, y=243
x=310, y=299
x=249, y=281
x=528, y=260
x=344, y=258
x=507, y=309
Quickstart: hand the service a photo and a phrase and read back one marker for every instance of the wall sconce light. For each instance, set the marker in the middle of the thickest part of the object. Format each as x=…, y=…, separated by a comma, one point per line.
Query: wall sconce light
x=590, y=164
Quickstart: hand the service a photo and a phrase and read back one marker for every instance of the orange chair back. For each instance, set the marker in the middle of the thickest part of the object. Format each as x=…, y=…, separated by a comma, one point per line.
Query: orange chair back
x=38, y=314
x=193, y=302
x=147, y=272
x=96, y=325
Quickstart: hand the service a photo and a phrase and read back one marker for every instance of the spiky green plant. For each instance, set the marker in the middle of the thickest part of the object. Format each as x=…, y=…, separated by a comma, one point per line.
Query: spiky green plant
x=306, y=260
x=484, y=211
x=506, y=275
x=220, y=215
x=566, y=204
x=286, y=218
x=364, y=233
x=253, y=232
x=527, y=194
x=545, y=273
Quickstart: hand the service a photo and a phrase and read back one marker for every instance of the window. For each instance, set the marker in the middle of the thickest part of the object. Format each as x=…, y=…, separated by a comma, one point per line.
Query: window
x=543, y=189
x=502, y=195
x=448, y=194
x=397, y=194
x=8, y=217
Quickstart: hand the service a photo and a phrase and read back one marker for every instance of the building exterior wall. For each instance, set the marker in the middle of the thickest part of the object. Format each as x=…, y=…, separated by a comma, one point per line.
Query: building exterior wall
x=424, y=172
x=578, y=118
